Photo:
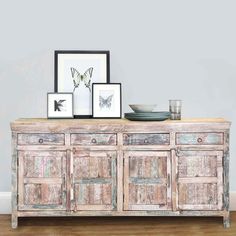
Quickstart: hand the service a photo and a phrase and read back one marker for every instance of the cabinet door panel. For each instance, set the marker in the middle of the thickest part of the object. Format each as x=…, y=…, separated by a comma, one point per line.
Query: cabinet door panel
x=94, y=180
x=148, y=167
x=197, y=166
x=42, y=177
x=147, y=180
x=43, y=165
x=199, y=195
x=93, y=194
x=43, y=194
x=200, y=180
x=147, y=194
x=92, y=167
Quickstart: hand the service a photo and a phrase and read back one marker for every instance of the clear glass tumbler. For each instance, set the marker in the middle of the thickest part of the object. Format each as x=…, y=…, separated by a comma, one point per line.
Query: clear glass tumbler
x=175, y=109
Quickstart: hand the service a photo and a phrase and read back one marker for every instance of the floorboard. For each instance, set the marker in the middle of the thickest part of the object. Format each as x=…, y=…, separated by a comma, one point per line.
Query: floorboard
x=108, y=226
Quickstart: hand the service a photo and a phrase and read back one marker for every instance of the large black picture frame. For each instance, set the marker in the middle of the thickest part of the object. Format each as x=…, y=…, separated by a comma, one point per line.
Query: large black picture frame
x=60, y=78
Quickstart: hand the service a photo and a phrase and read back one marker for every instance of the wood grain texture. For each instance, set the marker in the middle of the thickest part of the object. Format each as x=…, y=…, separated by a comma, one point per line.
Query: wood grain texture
x=149, y=212
x=41, y=178
x=14, y=179
x=146, y=181
x=120, y=172
x=41, y=139
x=174, y=179
x=94, y=180
x=106, y=226
x=117, y=125
x=93, y=139
x=197, y=166
x=200, y=180
x=120, y=168
x=146, y=139
x=198, y=196
x=200, y=138
x=41, y=164
x=226, y=179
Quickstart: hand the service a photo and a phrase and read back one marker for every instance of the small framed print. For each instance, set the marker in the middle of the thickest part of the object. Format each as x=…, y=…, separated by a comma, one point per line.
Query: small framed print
x=75, y=71
x=60, y=105
x=106, y=100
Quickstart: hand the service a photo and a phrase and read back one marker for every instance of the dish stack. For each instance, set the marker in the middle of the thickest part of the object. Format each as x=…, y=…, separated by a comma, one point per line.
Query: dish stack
x=145, y=113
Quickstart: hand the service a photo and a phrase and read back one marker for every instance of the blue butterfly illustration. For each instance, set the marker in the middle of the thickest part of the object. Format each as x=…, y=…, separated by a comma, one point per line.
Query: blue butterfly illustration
x=105, y=102
x=78, y=77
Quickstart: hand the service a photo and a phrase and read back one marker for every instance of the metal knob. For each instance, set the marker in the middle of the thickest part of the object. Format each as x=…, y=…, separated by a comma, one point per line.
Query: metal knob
x=94, y=140
x=199, y=140
x=40, y=140
x=145, y=141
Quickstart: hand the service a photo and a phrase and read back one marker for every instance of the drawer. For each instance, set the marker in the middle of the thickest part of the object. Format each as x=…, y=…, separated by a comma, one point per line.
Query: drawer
x=41, y=139
x=93, y=139
x=146, y=139
x=199, y=138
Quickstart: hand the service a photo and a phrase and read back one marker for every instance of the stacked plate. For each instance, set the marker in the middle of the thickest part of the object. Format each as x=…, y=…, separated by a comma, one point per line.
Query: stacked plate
x=148, y=116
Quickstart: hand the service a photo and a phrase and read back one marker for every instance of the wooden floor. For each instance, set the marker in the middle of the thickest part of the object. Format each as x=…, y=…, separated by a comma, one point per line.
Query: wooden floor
x=102, y=226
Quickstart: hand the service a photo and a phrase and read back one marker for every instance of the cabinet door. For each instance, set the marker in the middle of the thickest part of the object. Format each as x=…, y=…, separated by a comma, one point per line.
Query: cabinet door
x=147, y=180
x=93, y=180
x=199, y=182
x=42, y=180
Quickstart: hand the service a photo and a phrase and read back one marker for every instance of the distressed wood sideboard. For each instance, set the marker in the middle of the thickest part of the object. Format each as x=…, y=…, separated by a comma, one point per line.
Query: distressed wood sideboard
x=120, y=168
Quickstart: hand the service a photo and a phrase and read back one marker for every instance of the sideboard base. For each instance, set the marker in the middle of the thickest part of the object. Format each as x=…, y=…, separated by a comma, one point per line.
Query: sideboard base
x=223, y=214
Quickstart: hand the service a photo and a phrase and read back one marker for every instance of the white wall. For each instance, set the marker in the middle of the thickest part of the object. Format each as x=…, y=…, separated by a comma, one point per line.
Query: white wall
x=159, y=50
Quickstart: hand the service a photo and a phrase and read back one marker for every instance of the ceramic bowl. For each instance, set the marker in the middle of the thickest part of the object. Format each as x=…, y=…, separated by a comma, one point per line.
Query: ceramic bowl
x=142, y=107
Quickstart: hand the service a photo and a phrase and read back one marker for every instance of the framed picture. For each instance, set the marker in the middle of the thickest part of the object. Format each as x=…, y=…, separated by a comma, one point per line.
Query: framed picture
x=60, y=105
x=76, y=71
x=106, y=100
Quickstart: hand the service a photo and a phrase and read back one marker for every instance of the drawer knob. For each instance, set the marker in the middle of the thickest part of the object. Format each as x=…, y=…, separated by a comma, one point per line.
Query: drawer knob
x=40, y=140
x=94, y=140
x=199, y=140
x=145, y=141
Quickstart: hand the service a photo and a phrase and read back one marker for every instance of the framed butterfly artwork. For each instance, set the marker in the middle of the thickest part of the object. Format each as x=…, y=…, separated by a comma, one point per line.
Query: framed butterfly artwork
x=106, y=100
x=76, y=71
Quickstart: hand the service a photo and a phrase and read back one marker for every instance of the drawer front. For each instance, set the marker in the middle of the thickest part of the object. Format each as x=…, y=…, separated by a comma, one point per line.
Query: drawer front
x=41, y=139
x=146, y=139
x=199, y=138
x=93, y=139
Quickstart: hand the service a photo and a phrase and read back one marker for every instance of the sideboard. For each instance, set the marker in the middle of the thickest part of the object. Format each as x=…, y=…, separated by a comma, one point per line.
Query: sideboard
x=109, y=167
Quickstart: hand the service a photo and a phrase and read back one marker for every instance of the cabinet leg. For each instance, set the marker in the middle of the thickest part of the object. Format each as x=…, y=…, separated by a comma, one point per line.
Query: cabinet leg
x=14, y=221
x=226, y=220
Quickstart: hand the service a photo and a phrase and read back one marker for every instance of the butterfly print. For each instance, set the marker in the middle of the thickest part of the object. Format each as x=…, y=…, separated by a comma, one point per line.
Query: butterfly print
x=105, y=102
x=78, y=77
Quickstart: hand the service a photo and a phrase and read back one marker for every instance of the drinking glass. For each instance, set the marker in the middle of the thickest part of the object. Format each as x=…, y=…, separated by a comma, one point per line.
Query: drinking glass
x=175, y=109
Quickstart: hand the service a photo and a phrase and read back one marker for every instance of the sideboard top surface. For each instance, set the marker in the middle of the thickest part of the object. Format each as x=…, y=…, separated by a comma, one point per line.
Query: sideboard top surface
x=116, y=125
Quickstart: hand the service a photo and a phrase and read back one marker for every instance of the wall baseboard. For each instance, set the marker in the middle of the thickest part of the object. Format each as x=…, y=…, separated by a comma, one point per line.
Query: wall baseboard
x=232, y=195
x=5, y=202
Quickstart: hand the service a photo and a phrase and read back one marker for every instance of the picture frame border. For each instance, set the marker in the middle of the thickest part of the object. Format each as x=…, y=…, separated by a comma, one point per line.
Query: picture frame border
x=62, y=117
x=118, y=117
x=57, y=52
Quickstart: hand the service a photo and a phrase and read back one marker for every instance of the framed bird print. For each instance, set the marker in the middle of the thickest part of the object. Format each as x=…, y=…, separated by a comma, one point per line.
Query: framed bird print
x=60, y=105
x=106, y=100
x=76, y=71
